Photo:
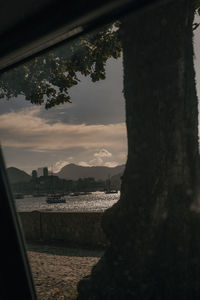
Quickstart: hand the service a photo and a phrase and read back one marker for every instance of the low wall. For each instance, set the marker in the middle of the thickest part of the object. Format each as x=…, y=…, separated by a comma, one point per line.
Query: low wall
x=71, y=228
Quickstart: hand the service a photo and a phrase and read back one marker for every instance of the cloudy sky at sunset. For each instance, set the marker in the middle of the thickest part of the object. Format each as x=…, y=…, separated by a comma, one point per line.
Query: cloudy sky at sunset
x=90, y=131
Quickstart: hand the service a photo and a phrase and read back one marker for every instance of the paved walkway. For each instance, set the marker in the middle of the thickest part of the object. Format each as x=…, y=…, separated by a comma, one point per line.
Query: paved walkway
x=57, y=270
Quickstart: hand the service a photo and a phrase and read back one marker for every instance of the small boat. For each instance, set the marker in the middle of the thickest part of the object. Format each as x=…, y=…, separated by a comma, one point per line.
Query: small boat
x=74, y=194
x=55, y=198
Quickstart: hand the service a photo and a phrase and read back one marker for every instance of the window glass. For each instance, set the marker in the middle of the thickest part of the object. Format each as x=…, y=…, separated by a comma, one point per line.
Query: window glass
x=62, y=122
x=74, y=165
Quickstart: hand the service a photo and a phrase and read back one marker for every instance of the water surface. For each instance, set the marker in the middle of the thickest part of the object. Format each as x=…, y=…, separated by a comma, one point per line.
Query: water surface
x=97, y=201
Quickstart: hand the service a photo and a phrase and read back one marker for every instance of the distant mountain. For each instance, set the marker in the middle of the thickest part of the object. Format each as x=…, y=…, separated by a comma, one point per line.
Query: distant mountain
x=74, y=172
x=16, y=175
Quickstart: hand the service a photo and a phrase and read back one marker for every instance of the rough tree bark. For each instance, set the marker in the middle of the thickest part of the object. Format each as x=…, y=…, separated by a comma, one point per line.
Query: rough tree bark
x=154, y=248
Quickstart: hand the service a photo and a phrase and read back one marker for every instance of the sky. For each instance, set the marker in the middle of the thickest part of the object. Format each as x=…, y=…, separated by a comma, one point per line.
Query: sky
x=89, y=131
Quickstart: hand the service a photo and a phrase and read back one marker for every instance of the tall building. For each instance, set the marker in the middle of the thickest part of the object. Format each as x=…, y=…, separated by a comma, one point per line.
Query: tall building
x=45, y=172
x=40, y=172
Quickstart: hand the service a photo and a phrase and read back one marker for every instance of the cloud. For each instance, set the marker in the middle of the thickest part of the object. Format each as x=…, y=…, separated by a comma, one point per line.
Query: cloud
x=59, y=165
x=100, y=159
x=84, y=164
x=103, y=153
x=111, y=164
x=25, y=129
x=100, y=162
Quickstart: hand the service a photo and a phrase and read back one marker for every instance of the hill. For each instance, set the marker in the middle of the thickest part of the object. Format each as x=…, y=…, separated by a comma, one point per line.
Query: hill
x=74, y=172
x=16, y=175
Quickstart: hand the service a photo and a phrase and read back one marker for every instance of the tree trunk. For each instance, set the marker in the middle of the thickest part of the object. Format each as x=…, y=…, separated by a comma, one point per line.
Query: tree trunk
x=154, y=248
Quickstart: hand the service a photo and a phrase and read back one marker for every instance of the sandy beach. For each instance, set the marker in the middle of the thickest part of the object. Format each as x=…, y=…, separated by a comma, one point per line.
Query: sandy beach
x=57, y=270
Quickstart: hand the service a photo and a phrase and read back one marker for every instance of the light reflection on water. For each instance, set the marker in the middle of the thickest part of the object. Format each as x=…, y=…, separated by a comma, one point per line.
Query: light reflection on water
x=97, y=201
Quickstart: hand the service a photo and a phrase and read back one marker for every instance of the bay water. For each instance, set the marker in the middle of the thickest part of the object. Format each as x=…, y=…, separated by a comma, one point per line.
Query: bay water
x=96, y=201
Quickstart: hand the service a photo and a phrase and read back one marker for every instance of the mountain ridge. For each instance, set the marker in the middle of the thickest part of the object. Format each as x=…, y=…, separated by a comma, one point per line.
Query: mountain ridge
x=73, y=171
x=17, y=175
